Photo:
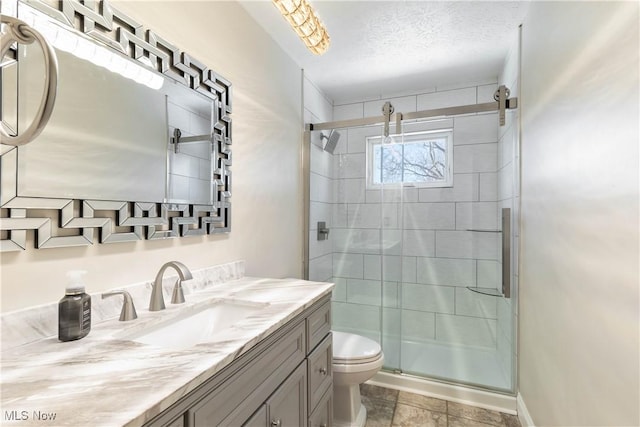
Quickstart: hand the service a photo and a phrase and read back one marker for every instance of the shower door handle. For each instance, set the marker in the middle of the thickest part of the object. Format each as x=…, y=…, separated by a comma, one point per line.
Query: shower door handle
x=506, y=252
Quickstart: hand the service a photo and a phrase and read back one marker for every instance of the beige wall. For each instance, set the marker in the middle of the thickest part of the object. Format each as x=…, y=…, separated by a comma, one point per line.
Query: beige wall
x=266, y=189
x=579, y=299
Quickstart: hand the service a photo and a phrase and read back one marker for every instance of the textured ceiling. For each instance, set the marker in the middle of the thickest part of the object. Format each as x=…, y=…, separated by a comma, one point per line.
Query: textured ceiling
x=388, y=47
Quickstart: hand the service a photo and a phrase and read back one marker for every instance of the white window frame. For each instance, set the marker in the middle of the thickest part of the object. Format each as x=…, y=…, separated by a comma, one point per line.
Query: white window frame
x=408, y=138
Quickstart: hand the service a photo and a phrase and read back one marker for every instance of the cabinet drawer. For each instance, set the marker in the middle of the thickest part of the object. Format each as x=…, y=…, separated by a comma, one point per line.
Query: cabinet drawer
x=318, y=325
x=322, y=416
x=238, y=398
x=320, y=375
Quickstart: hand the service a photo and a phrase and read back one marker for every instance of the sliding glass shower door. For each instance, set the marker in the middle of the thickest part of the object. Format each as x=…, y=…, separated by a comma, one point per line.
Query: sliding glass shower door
x=416, y=242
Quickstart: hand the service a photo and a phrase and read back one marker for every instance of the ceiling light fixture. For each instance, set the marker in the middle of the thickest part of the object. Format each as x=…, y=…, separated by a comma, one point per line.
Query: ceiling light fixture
x=306, y=24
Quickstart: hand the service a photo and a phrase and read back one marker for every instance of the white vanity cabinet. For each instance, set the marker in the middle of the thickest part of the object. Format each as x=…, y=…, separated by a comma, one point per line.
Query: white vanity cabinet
x=283, y=381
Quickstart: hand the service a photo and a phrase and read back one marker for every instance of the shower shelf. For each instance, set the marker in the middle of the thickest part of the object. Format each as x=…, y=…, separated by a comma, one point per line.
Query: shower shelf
x=478, y=230
x=488, y=292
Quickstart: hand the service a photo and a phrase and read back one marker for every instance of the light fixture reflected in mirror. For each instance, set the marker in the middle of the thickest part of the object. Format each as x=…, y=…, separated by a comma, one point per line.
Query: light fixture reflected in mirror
x=88, y=50
x=306, y=24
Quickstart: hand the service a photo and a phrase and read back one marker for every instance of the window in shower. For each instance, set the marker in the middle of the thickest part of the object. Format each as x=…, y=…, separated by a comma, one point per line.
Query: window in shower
x=422, y=159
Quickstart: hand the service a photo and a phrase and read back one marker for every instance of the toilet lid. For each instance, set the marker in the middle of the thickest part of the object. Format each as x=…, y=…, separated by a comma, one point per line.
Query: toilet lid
x=351, y=348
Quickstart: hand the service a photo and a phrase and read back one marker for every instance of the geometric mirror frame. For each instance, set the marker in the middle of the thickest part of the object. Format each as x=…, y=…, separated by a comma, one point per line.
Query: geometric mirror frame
x=71, y=222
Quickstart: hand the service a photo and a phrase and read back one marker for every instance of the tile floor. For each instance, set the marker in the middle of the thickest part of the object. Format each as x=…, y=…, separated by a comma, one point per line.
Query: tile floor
x=393, y=408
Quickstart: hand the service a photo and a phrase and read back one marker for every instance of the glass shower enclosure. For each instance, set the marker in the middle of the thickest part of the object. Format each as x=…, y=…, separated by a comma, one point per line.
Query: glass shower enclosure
x=412, y=219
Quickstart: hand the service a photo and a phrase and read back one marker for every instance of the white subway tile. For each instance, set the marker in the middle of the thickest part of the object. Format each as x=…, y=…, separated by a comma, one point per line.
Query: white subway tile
x=204, y=170
x=177, y=117
x=485, y=93
x=420, y=243
x=465, y=189
x=178, y=187
x=405, y=104
x=357, y=137
x=421, y=126
x=356, y=240
x=447, y=272
x=321, y=269
x=199, y=191
x=391, y=324
x=372, y=215
x=447, y=98
x=507, y=146
x=475, y=158
x=437, y=299
x=390, y=296
x=468, y=331
x=364, y=291
x=316, y=102
x=348, y=111
x=320, y=162
x=469, y=303
x=318, y=248
x=478, y=129
x=340, y=290
x=350, y=166
x=489, y=274
x=505, y=317
x=339, y=215
x=467, y=244
x=429, y=216
x=393, y=195
x=356, y=318
x=321, y=188
x=505, y=182
x=349, y=191
x=320, y=211
x=409, y=269
x=199, y=125
x=347, y=265
x=488, y=187
x=477, y=216
x=418, y=326
x=391, y=243
x=386, y=267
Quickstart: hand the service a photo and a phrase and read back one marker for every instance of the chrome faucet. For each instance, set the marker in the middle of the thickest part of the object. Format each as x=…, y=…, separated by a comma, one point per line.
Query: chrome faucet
x=157, y=299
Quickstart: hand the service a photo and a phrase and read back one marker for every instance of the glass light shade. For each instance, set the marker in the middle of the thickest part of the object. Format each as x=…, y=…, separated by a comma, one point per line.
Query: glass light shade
x=306, y=24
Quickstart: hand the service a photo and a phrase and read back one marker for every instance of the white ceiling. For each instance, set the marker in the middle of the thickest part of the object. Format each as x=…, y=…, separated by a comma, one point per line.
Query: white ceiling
x=380, y=48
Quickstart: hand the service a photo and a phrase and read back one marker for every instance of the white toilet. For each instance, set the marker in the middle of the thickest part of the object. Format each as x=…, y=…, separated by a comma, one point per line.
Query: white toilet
x=355, y=360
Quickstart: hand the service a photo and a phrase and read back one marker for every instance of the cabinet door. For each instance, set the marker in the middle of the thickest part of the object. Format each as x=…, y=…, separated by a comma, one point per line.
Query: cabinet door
x=287, y=406
x=259, y=419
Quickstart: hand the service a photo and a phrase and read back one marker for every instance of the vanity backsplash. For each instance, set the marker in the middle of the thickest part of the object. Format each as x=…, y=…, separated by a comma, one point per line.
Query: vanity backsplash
x=27, y=325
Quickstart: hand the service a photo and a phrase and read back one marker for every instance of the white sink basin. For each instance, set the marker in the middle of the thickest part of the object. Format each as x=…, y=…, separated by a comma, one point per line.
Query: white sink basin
x=197, y=327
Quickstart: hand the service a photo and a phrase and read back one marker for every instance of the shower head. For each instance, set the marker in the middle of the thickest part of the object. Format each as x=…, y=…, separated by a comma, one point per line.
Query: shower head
x=332, y=140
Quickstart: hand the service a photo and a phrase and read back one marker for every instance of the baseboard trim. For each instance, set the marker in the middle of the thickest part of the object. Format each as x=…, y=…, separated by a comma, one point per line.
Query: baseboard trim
x=453, y=393
x=523, y=413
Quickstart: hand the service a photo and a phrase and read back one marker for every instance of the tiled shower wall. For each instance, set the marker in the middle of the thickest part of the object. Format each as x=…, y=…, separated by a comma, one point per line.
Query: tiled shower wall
x=318, y=109
x=190, y=168
x=411, y=251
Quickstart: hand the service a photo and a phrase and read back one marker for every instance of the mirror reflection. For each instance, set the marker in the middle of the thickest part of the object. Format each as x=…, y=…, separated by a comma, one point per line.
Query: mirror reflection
x=109, y=137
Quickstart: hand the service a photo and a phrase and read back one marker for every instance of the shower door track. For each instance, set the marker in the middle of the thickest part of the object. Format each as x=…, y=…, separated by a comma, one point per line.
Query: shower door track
x=503, y=103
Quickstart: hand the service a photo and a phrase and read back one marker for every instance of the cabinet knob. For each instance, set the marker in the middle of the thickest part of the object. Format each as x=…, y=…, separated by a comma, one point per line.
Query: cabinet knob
x=323, y=371
x=276, y=423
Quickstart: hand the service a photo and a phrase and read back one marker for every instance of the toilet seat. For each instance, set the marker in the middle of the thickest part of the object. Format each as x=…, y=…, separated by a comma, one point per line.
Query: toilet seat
x=351, y=349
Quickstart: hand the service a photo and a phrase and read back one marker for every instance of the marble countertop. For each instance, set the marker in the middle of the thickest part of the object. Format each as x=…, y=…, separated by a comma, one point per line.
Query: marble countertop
x=108, y=380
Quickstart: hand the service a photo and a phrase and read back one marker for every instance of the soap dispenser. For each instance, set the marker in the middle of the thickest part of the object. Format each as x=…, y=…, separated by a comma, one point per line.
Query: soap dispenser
x=74, y=309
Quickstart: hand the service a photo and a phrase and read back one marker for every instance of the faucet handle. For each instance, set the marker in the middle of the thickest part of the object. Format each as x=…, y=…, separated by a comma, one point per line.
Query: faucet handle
x=178, y=295
x=128, y=309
